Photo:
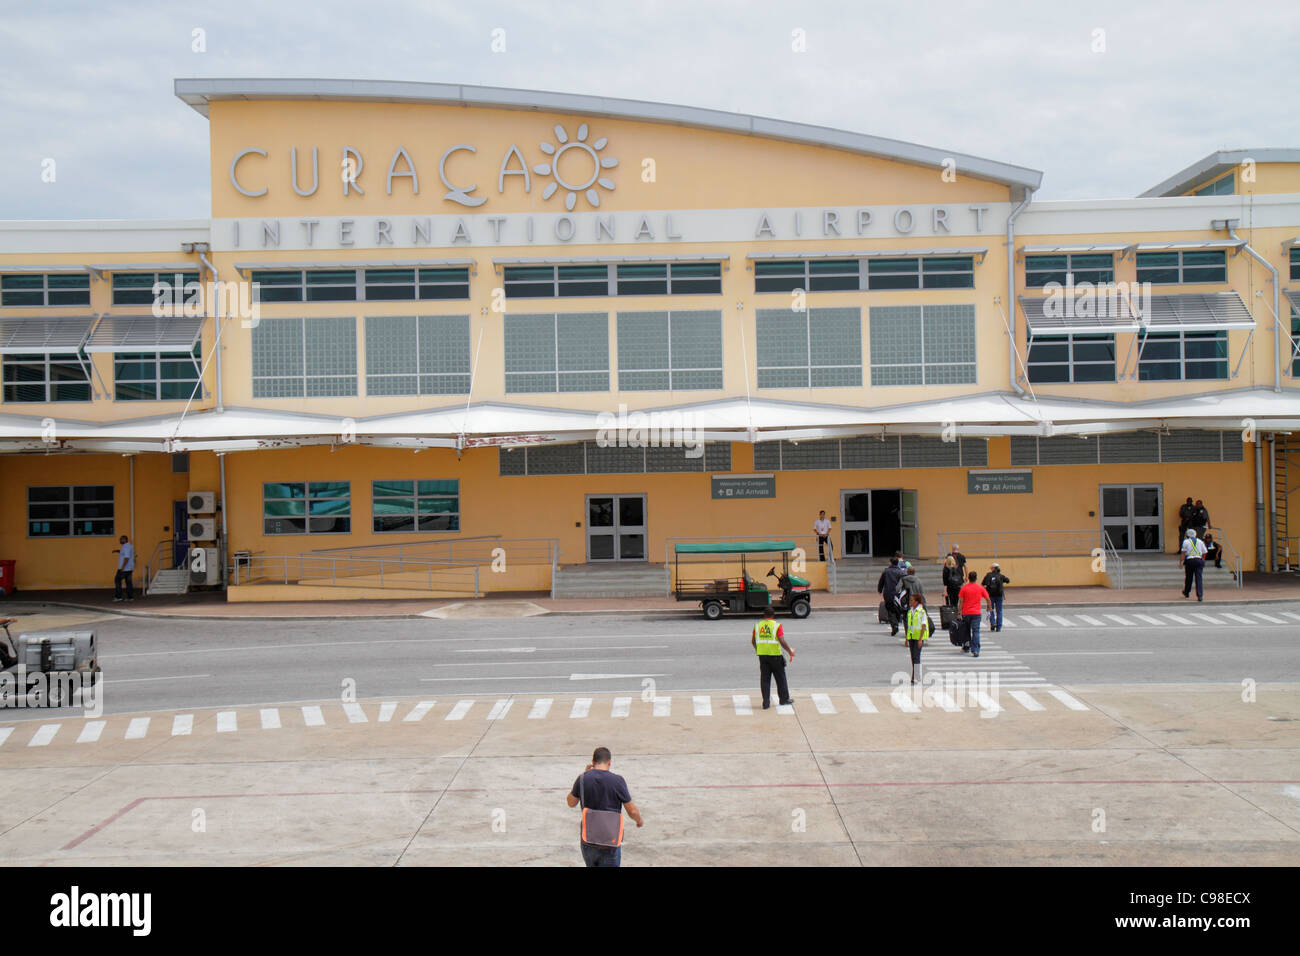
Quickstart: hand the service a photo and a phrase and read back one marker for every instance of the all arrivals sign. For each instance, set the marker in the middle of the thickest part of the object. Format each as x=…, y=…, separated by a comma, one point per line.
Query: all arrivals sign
x=744, y=486
x=1007, y=482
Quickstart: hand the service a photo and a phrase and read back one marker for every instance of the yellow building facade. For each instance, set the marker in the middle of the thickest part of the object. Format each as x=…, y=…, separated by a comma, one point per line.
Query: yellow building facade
x=423, y=315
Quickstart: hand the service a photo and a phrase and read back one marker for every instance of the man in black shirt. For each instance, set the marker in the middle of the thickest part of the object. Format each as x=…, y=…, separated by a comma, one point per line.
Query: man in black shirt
x=887, y=588
x=598, y=789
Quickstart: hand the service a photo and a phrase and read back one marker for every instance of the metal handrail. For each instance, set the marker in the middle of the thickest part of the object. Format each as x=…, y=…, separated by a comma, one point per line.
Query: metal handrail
x=1111, y=556
x=477, y=550
x=1073, y=541
x=307, y=567
x=1234, y=558
x=156, y=560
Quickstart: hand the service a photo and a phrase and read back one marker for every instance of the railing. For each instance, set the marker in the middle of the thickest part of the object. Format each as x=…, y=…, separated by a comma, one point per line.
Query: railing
x=163, y=558
x=1229, y=552
x=1038, y=542
x=478, y=550
x=1114, y=564
x=409, y=574
x=1290, y=552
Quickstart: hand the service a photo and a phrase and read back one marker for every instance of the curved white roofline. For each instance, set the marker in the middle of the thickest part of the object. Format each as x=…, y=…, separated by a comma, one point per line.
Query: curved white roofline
x=199, y=92
x=1215, y=165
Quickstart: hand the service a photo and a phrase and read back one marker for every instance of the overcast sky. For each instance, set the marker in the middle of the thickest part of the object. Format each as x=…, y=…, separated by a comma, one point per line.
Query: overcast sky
x=90, y=84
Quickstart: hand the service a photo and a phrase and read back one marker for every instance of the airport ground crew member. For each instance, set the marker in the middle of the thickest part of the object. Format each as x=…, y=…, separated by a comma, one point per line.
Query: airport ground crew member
x=768, y=640
x=1192, y=558
x=918, y=632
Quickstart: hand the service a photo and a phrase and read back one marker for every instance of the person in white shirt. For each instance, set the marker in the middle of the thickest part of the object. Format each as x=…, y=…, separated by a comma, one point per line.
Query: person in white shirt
x=125, y=569
x=822, y=527
x=1192, y=559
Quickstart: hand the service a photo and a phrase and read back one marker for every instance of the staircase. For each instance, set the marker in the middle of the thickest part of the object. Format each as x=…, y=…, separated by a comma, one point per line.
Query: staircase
x=614, y=579
x=1162, y=571
x=169, y=582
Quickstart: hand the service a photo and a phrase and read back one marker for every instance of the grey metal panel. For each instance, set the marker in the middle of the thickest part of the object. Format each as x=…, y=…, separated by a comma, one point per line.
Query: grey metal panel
x=53, y=268
x=1085, y=247
x=1190, y=244
x=144, y=334
x=767, y=456
x=870, y=452
x=1213, y=166
x=512, y=461
x=573, y=260
x=1293, y=296
x=717, y=456
x=199, y=92
x=353, y=264
x=1199, y=312
x=44, y=336
x=821, y=455
x=189, y=266
x=926, y=451
x=1128, y=448
x=1034, y=309
x=1024, y=450
x=1194, y=444
x=974, y=452
x=1067, y=450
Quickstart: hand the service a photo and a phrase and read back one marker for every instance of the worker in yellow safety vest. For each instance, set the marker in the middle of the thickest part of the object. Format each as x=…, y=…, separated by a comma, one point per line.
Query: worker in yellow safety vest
x=768, y=640
x=918, y=630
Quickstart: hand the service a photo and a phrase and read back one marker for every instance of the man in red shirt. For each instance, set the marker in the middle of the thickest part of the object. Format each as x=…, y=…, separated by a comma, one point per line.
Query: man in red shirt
x=969, y=599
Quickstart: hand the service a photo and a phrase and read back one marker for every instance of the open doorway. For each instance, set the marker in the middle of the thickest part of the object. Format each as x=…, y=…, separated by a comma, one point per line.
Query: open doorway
x=876, y=522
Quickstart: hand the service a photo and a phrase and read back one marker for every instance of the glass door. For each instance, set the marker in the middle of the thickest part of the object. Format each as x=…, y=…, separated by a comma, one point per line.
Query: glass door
x=911, y=543
x=616, y=528
x=1132, y=516
x=855, y=527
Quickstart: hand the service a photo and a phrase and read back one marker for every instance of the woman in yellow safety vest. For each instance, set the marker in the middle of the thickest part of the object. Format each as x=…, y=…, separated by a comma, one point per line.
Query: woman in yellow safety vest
x=918, y=630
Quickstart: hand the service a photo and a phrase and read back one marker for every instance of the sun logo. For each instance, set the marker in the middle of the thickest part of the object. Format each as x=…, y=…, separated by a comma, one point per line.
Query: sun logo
x=553, y=167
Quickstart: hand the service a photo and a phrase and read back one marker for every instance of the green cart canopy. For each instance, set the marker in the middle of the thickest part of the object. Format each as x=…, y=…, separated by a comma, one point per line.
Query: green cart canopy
x=735, y=547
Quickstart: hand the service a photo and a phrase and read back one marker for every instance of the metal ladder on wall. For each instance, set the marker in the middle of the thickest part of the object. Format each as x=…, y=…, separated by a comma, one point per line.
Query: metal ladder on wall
x=1284, y=557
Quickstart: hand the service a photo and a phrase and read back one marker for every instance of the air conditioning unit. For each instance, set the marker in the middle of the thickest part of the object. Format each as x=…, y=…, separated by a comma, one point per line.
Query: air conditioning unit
x=202, y=502
x=202, y=529
x=205, y=566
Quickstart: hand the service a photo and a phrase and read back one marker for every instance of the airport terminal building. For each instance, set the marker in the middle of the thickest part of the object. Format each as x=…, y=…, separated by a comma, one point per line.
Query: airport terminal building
x=444, y=339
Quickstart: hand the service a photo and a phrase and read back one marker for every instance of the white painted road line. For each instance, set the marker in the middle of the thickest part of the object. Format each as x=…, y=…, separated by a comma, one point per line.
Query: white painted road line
x=270, y=718
x=1007, y=622
x=460, y=710
x=863, y=703
x=1237, y=617
x=226, y=723
x=1176, y=619
x=1200, y=616
x=703, y=706
x=1092, y=620
x=573, y=677
x=742, y=705
x=500, y=708
x=1268, y=617
x=1293, y=616
x=1063, y=621
x=946, y=702
x=541, y=707
x=581, y=708
x=1150, y=620
x=418, y=711
x=1066, y=699
x=786, y=709
x=182, y=725
x=4, y=733
x=92, y=731
x=663, y=707
x=1119, y=620
x=44, y=735
x=987, y=704
x=1025, y=700
x=313, y=717
x=354, y=713
x=621, y=707
x=1033, y=620
x=823, y=703
x=137, y=728
x=901, y=699
x=386, y=711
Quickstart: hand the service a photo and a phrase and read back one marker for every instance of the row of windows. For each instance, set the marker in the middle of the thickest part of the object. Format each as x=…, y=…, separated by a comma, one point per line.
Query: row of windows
x=893, y=451
x=1175, y=267
x=1295, y=262
x=832, y=275
x=360, y=285
x=137, y=376
x=1191, y=445
x=1164, y=356
x=325, y=507
x=608, y=279
x=673, y=453
x=73, y=288
x=66, y=511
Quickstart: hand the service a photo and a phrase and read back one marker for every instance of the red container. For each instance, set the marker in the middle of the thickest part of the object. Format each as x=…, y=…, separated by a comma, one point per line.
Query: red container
x=7, y=577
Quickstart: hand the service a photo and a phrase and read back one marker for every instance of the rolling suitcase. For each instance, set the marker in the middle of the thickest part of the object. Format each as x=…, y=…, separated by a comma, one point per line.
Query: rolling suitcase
x=958, y=633
x=947, y=616
x=881, y=614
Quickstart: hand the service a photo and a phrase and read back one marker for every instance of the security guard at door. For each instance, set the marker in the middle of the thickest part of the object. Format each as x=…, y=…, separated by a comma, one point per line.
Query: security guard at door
x=768, y=640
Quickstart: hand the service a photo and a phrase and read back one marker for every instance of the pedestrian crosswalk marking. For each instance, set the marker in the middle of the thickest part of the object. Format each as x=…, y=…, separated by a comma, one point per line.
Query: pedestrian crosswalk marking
x=4, y=733
x=1091, y=620
x=621, y=707
x=541, y=707
x=786, y=709
x=1268, y=617
x=903, y=701
x=138, y=727
x=182, y=725
x=1066, y=699
x=1236, y=617
x=1033, y=620
x=1149, y=619
x=1176, y=619
x=581, y=708
x=1007, y=622
x=226, y=722
x=500, y=709
x=663, y=707
x=987, y=703
x=355, y=714
x=1294, y=617
x=459, y=711
x=946, y=702
x=1063, y=621
x=823, y=703
x=312, y=716
x=386, y=711
x=270, y=718
x=1119, y=620
x=863, y=703
x=703, y=706
x=418, y=711
x=44, y=735
x=741, y=704
x=91, y=732
x=1025, y=700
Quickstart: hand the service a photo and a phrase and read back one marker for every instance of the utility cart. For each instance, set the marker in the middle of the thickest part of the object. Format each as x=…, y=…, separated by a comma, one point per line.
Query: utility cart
x=51, y=665
x=739, y=593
